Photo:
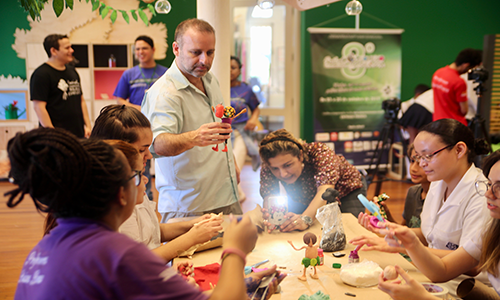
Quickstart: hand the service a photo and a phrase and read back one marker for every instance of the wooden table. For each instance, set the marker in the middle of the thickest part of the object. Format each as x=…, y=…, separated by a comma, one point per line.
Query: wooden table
x=274, y=247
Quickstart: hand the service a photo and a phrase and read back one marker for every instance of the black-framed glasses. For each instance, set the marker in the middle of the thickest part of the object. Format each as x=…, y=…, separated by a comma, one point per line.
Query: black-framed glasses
x=137, y=176
x=482, y=186
x=427, y=158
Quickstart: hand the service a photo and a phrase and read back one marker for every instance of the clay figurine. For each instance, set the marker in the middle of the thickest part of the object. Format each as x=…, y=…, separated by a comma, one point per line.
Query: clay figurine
x=311, y=258
x=227, y=114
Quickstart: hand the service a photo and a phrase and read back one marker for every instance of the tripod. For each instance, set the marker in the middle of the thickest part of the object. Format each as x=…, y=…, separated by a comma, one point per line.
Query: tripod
x=385, y=141
x=477, y=124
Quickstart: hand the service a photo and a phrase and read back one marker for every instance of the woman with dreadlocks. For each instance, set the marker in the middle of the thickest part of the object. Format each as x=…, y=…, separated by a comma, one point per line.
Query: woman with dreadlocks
x=91, y=190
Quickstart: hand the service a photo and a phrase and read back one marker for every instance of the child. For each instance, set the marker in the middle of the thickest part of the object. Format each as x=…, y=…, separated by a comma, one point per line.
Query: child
x=416, y=194
x=126, y=123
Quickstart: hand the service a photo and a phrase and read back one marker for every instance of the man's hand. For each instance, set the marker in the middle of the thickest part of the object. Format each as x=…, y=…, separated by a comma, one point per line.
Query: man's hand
x=211, y=134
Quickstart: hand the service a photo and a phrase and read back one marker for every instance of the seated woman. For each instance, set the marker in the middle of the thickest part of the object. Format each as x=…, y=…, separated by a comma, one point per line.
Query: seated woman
x=90, y=188
x=126, y=123
x=481, y=250
x=453, y=212
x=306, y=170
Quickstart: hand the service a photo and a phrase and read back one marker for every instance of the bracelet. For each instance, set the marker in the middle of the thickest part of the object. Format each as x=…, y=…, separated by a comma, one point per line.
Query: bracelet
x=238, y=252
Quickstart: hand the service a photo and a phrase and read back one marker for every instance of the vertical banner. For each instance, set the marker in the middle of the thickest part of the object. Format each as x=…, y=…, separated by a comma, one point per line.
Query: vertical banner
x=353, y=72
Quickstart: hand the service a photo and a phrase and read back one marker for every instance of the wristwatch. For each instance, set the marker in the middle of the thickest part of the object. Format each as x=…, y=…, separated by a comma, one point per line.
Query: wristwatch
x=307, y=220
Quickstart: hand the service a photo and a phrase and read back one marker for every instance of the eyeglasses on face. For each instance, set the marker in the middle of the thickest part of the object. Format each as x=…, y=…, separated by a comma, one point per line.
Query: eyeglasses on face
x=428, y=157
x=482, y=186
x=137, y=176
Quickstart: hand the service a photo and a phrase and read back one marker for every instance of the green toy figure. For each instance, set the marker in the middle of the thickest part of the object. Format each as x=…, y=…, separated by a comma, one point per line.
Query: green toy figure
x=312, y=258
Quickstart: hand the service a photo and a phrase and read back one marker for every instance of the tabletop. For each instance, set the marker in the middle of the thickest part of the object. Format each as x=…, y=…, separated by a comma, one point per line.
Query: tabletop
x=274, y=246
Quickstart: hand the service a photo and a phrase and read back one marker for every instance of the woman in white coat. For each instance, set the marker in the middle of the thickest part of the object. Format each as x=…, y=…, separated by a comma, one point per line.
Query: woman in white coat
x=453, y=212
x=481, y=250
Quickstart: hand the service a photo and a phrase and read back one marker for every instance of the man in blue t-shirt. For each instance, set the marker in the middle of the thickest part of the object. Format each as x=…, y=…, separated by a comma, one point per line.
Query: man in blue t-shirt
x=135, y=81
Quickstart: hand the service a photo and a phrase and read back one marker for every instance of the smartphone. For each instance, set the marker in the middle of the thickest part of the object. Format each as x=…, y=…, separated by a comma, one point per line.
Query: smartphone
x=277, y=206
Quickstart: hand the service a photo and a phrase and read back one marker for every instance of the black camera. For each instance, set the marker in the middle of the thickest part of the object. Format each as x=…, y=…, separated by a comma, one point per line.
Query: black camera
x=478, y=74
x=391, y=108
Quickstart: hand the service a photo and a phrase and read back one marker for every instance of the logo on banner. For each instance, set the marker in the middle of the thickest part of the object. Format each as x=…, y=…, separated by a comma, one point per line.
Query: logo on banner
x=354, y=60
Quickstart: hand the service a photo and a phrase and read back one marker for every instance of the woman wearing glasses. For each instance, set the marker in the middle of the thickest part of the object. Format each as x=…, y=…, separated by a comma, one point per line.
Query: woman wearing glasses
x=453, y=212
x=121, y=122
x=480, y=251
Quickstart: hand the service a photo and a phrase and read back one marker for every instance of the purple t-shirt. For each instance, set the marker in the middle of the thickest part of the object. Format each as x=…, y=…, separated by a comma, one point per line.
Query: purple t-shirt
x=241, y=97
x=135, y=81
x=84, y=259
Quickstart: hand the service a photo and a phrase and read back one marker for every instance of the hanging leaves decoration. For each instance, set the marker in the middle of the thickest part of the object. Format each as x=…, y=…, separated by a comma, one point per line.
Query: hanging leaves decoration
x=134, y=15
x=95, y=4
x=125, y=16
x=105, y=11
x=34, y=8
x=144, y=17
x=152, y=9
x=58, y=6
x=113, y=16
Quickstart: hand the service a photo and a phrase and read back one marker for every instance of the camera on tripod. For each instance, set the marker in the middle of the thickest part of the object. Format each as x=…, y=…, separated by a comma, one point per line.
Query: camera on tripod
x=391, y=108
x=478, y=74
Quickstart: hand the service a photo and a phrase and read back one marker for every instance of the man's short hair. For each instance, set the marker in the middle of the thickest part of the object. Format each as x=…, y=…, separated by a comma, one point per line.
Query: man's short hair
x=198, y=24
x=472, y=56
x=421, y=88
x=52, y=41
x=146, y=39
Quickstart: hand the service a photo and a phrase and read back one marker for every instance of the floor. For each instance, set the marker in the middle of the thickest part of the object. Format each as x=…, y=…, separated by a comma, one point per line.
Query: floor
x=21, y=227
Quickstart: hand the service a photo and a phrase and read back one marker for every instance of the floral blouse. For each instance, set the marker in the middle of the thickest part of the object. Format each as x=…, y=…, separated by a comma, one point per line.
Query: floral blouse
x=324, y=167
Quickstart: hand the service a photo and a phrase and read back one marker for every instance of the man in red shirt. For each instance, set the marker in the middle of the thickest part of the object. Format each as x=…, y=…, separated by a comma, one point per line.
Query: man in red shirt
x=450, y=91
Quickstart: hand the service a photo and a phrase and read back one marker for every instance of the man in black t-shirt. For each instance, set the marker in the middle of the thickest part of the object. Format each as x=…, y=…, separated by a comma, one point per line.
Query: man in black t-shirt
x=56, y=92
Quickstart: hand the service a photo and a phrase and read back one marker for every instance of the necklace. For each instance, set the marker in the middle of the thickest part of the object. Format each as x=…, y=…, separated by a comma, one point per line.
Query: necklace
x=150, y=81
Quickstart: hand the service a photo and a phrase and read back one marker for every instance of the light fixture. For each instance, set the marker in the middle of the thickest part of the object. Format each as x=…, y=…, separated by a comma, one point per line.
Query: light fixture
x=353, y=8
x=163, y=7
x=265, y=4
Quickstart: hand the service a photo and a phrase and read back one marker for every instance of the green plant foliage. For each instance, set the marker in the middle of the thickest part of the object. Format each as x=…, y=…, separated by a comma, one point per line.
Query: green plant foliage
x=152, y=9
x=113, y=16
x=105, y=11
x=58, y=6
x=95, y=4
x=134, y=14
x=125, y=16
x=34, y=7
x=143, y=16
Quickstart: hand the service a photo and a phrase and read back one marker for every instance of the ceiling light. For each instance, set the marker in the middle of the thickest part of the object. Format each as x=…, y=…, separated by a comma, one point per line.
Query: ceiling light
x=265, y=4
x=163, y=7
x=353, y=8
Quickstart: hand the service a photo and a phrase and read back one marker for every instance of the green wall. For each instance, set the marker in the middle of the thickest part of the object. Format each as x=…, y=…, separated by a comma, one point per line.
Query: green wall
x=434, y=33
x=12, y=16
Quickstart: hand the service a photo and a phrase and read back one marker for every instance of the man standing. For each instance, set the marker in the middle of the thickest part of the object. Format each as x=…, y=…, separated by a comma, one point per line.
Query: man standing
x=56, y=92
x=135, y=81
x=192, y=178
x=450, y=91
